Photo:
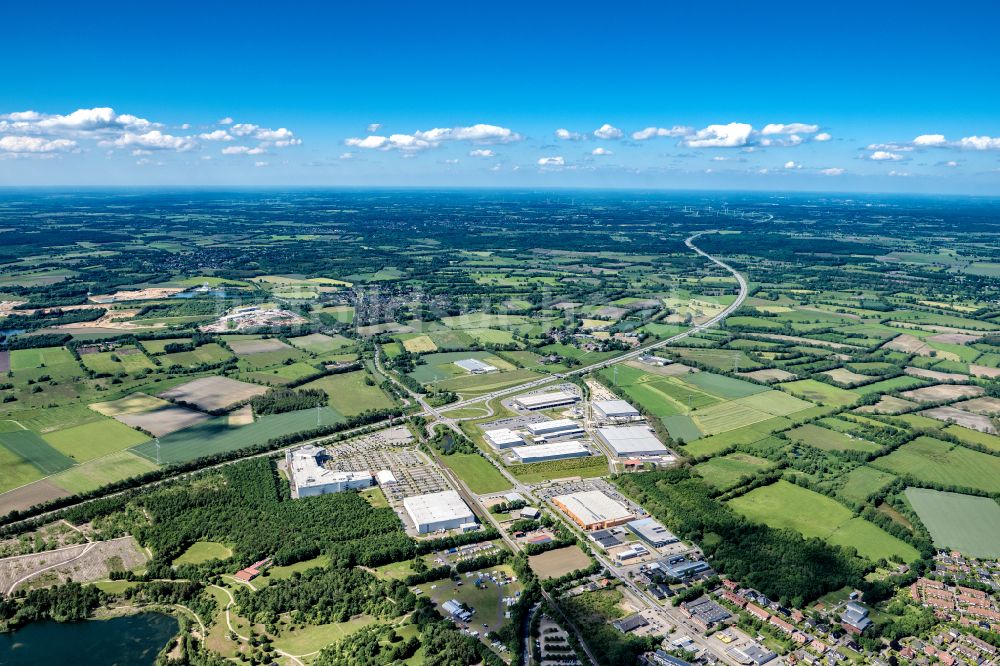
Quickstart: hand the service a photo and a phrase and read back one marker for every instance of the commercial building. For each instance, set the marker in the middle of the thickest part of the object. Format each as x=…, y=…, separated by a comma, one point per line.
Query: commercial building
x=475, y=366
x=607, y=410
x=631, y=623
x=553, y=451
x=592, y=510
x=438, y=511
x=503, y=438
x=752, y=654
x=546, y=400
x=855, y=618
x=632, y=552
x=652, y=532
x=385, y=477
x=556, y=428
x=682, y=568
x=308, y=477
x=625, y=441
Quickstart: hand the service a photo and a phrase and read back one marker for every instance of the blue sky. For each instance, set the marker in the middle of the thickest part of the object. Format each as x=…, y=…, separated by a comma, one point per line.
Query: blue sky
x=873, y=96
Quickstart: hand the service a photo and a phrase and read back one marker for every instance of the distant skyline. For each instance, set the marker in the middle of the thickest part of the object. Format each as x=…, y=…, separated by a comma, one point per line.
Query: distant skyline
x=869, y=97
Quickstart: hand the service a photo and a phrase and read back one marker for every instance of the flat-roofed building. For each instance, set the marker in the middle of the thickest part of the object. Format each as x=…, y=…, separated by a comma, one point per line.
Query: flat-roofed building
x=475, y=366
x=627, y=441
x=546, y=400
x=438, y=511
x=310, y=478
x=614, y=410
x=555, y=428
x=592, y=510
x=385, y=477
x=553, y=451
x=652, y=532
x=503, y=438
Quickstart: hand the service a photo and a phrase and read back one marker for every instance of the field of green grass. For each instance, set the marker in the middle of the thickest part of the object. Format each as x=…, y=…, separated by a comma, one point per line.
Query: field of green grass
x=210, y=353
x=203, y=551
x=819, y=392
x=725, y=472
x=788, y=506
x=102, y=471
x=589, y=467
x=933, y=461
x=317, y=343
x=862, y=481
x=829, y=440
x=93, y=440
x=968, y=524
x=30, y=447
x=128, y=359
x=477, y=472
x=349, y=394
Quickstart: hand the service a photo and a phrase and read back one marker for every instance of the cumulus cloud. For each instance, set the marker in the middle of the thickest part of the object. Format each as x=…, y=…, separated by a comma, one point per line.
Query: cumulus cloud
x=790, y=128
x=980, y=143
x=565, y=135
x=973, y=142
x=482, y=152
x=930, y=140
x=35, y=145
x=243, y=150
x=885, y=156
x=822, y=136
x=424, y=139
x=720, y=136
x=225, y=121
x=551, y=161
x=651, y=132
x=601, y=151
x=607, y=131
x=217, y=135
x=898, y=174
x=260, y=164
x=790, y=164
x=374, y=127
x=832, y=171
x=154, y=140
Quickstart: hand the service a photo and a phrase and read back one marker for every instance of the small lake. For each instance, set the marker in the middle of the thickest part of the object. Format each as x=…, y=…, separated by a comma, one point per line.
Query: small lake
x=131, y=640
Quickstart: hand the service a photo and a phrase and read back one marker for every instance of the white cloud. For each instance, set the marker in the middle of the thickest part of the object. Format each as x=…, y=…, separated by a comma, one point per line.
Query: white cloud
x=374, y=127
x=225, y=121
x=34, y=145
x=482, y=152
x=424, y=139
x=884, y=156
x=217, y=135
x=980, y=143
x=899, y=174
x=822, y=136
x=155, y=140
x=951, y=164
x=790, y=128
x=607, y=131
x=260, y=164
x=651, y=132
x=243, y=150
x=930, y=140
x=720, y=136
x=566, y=135
x=792, y=165
x=551, y=161
x=347, y=156
x=832, y=171
x=601, y=151
x=451, y=161
x=244, y=129
x=280, y=134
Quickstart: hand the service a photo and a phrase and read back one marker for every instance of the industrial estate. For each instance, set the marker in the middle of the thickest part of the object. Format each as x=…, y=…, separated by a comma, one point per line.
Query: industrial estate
x=308, y=428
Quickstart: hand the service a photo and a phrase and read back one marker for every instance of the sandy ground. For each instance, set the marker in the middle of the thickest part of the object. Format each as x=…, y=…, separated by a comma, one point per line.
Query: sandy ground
x=967, y=419
x=936, y=375
x=136, y=295
x=943, y=392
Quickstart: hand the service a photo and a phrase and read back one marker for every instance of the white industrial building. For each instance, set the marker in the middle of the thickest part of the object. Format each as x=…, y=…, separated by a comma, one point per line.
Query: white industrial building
x=553, y=451
x=592, y=509
x=626, y=441
x=652, y=532
x=385, y=477
x=503, y=438
x=546, y=400
x=556, y=428
x=607, y=410
x=309, y=477
x=475, y=366
x=438, y=511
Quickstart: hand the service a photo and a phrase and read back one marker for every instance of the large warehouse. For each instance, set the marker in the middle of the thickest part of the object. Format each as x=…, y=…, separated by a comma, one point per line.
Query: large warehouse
x=554, y=451
x=438, y=511
x=309, y=477
x=592, y=510
x=637, y=440
x=652, y=532
x=546, y=400
x=503, y=438
x=614, y=410
x=556, y=428
x=475, y=366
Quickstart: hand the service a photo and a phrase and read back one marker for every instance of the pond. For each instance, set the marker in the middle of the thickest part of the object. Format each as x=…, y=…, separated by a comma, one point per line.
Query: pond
x=131, y=640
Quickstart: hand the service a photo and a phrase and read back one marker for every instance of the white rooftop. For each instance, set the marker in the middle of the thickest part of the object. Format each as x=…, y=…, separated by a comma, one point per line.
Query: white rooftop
x=552, y=426
x=385, y=477
x=568, y=448
x=631, y=440
x=615, y=408
x=502, y=436
x=475, y=365
x=538, y=399
x=437, y=507
x=593, y=506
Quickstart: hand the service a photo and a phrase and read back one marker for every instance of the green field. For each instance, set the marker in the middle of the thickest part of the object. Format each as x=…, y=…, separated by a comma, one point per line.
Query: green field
x=933, y=461
x=31, y=448
x=317, y=343
x=441, y=366
x=128, y=359
x=203, y=551
x=722, y=386
x=349, y=394
x=862, y=481
x=93, y=440
x=589, y=467
x=17, y=471
x=829, y=440
x=968, y=524
x=25, y=359
x=785, y=505
x=217, y=436
x=209, y=353
x=477, y=472
x=102, y=471
x=824, y=394
x=725, y=472
x=708, y=446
